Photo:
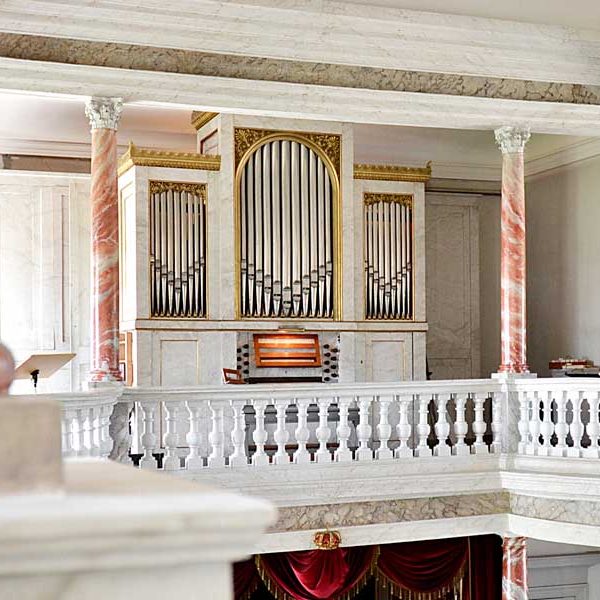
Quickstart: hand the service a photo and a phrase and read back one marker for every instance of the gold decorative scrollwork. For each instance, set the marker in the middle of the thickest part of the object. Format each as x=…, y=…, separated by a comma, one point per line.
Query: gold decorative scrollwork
x=374, y=198
x=330, y=144
x=198, y=189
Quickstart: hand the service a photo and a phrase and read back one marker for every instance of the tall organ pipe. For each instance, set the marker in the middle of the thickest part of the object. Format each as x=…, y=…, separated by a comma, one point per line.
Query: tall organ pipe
x=287, y=221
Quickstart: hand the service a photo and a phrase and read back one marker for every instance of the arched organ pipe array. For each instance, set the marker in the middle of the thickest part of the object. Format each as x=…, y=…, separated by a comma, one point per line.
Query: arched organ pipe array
x=286, y=241
x=177, y=249
x=388, y=256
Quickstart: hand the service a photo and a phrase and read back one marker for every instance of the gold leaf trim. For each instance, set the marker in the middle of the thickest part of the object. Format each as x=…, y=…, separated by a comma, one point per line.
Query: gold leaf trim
x=198, y=189
x=149, y=157
x=393, y=173
x=376, y=197
x=200, y=118
x=329, y=143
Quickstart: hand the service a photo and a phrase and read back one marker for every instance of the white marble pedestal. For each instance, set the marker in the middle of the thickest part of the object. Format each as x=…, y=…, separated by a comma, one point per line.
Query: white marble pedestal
x=124, y=534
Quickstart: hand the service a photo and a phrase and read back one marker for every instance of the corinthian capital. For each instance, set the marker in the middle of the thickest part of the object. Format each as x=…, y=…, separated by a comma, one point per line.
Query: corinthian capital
x=512, y=139
x=104, y=113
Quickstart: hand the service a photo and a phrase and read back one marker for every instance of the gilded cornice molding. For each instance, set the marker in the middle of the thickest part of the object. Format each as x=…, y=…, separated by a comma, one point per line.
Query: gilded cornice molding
x=198, y=189
x=392, y=173
x=329, y=143
x=375, y=197
x=148, y=157
x=200, y=118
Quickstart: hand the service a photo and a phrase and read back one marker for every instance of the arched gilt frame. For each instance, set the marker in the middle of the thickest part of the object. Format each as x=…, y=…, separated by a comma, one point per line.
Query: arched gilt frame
x=327, y=148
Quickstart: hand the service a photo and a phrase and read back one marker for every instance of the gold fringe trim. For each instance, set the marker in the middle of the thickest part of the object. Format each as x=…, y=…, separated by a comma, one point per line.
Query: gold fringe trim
x=275, y=590
x=248, y=594
x=453, y=590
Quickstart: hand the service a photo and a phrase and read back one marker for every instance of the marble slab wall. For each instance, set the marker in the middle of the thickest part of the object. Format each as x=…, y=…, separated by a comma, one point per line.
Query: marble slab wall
x=44, y=272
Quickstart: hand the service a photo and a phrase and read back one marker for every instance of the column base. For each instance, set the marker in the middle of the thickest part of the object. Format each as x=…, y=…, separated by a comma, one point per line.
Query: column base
x=102, y=376
x=514, y=368
x=504, y=375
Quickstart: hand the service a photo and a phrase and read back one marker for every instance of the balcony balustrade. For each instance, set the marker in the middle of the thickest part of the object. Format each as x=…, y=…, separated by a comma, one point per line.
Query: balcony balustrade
x=258, y=426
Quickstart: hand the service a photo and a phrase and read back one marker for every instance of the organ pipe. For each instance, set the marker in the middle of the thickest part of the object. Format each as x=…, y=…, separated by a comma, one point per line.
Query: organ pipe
x=286, y=218
x=388, y=271
x=177, y=249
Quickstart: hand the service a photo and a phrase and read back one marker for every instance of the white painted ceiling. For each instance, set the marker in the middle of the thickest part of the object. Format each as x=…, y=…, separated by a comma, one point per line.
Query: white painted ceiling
x=57, y=126
x=584, y=14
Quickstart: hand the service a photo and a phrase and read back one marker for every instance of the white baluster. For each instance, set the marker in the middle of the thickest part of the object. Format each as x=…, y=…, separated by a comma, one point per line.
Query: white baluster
x=442, y=427
x=323, y=432
x=171, y=461
x=193, y=437
x=535, y=425
x=239, y=456
x=148, y=439
x=404, y=428
x=68, y=439
x=343, y=453
x=82, y=432
x=461, y=427
x=422, y=448
x=259, y=436
x=496, y=422
x=105, y=441
x=593, y=427
x=547, y=427
x=363, y=452
x=281, y=435
x=479, y=426
x=302, y=433
x=384, y=429
x=216, y=437
x=94, y=431
x=576, y=426
x=561, y=429
x=523, y=422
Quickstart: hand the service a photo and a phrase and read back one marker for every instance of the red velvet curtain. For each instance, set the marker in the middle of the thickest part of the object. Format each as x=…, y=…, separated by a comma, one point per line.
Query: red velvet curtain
x=432, y=567
x=245, y=579
x=424, y=567
x=485, y=568
x=316, y=574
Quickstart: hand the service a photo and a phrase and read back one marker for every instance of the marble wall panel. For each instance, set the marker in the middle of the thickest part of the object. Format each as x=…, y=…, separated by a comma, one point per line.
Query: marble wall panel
x=44, y=272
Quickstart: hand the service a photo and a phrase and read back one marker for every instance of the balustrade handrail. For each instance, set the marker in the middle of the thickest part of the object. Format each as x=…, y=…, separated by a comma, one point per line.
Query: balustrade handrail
x=310, y=390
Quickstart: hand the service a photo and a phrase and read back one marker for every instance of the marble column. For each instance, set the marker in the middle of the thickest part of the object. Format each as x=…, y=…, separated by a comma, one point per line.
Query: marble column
x=104, y=114
x=513, y=331
x=514, y=568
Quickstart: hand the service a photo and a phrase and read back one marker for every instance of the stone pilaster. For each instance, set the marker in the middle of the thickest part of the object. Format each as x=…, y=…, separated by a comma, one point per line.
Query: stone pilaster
x=104, y=114
x=514, y=568
x=511, y=141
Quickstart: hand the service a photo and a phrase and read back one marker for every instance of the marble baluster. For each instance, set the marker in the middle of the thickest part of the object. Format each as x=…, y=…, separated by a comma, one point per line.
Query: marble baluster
x=302, y=433
x=343, y=453
x=384, y=429
x=404, y=428
x=514, y=568
x=104, y=115
x=512, y=142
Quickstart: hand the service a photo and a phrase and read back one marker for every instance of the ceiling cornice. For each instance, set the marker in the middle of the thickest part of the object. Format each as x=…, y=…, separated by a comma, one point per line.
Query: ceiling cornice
x=331, y=32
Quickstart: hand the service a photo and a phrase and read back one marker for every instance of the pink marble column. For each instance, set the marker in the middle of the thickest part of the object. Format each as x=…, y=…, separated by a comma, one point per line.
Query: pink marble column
x=104, y=114
x=514, y=568
x=513, y=330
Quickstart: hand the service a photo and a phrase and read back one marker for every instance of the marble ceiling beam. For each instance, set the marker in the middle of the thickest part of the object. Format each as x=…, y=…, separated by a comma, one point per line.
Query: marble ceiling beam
x=296, y=100
x=327, y=31
x=190, y=62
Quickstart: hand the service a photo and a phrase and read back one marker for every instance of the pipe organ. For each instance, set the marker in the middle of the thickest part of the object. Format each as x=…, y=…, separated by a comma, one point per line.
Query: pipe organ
x=388, y=256
x=177, y=249
x=276, y=231
x=286, y=201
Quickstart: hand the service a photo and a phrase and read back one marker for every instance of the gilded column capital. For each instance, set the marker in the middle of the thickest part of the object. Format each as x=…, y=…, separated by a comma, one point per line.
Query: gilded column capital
x=104, y=113
x=512, y=140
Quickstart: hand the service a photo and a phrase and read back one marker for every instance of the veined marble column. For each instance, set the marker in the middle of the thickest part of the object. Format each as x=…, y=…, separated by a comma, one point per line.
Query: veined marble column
x=514, y=568
x=104, y=114
x=513, y=268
